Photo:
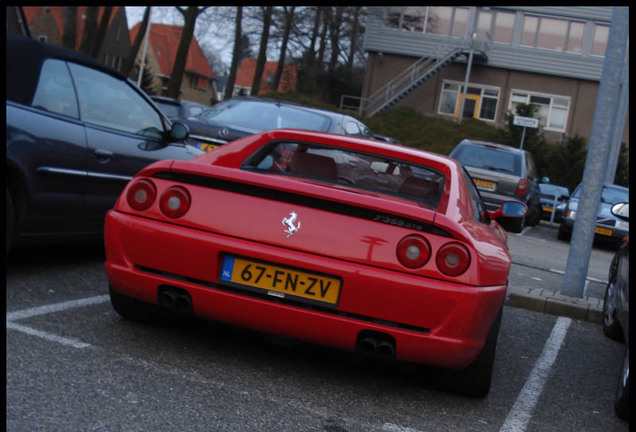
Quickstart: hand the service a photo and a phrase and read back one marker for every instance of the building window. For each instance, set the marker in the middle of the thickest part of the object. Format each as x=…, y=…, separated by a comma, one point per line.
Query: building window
x=599, y=43
x=424, y=19
x=555, y=34
x=480, y=103
x=552, y=111
x=504, y=26
x=575, y=37
x=552, y=34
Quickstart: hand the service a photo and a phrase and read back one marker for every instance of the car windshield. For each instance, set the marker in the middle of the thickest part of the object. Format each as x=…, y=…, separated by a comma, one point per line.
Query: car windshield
x=610, y=195
x=260, y=116
x=358, y=172
x=489, y=158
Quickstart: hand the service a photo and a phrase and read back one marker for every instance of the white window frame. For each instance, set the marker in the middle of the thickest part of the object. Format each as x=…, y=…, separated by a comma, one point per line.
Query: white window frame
x=482, y=87
x=544, y=122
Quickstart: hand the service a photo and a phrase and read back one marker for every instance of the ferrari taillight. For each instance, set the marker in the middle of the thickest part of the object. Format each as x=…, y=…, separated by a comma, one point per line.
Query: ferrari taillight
x=175, y=202
x=413, y=251
x=453, y=259
x=141, y=194
x=522, y=186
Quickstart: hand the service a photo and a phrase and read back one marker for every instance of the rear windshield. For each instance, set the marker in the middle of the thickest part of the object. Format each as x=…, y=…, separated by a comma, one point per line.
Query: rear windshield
x=355, y=171
x=260, y=116
x=489, y=158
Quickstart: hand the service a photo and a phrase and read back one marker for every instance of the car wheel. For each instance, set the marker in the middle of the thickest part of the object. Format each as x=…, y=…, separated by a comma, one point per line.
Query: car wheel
x=474, y=380
x=10, y=220
x=132, y=309
x=621, y=402
x=611, y=326
x=516, y=224
x=564, y=233
x=534, y=215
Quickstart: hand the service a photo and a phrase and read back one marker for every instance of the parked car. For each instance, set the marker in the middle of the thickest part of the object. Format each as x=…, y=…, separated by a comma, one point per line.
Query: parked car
x=616, y=311
x=502, y=173
x=552, y=201
x=361, y=245
x=178, y=109
x=241, y=116
x=608, y=226
x=77, y=132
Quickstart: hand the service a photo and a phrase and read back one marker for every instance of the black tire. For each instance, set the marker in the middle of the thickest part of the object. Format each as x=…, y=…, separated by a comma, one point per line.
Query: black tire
x=534, y=214
x=621, y=401
x=515, y=225
x=133, y=309
x=474, y=380
x=611, y=325
x=10, y=220
x=564, y=233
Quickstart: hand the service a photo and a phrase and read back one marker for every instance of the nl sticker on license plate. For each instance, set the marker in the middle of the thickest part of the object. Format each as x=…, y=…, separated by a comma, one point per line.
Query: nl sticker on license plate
x=280, y=281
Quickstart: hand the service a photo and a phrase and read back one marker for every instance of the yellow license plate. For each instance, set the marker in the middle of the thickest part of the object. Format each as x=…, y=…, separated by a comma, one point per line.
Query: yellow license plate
x=281, y=282
x=208, y=147
x=547, y=209
x=484, y=184
x=603, y=231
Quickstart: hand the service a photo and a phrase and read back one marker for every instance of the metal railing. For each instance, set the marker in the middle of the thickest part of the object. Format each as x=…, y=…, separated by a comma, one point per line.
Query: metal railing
x=419, y=72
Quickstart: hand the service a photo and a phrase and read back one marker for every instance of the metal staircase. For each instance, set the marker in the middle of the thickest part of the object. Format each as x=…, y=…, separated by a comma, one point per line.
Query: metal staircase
x=424, y=68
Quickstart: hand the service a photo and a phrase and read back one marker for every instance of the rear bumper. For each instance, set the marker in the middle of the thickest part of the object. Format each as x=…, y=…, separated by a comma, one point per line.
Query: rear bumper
x=434, y=322
x=600, y=231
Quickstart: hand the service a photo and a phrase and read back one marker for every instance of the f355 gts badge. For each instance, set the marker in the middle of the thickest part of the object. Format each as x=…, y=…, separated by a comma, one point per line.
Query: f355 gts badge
x=290, y=225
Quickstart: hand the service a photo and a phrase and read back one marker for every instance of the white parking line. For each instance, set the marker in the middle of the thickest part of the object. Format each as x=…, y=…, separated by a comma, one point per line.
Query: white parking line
x=48, y=336
x=56, y=307
x=521, y=412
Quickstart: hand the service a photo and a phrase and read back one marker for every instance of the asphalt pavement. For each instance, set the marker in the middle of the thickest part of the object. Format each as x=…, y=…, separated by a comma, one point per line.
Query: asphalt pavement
x=536, y=278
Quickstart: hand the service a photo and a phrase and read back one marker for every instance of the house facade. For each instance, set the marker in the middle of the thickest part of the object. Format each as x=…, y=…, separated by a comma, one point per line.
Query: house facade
x=247, y=69
x=198, y=84
x=45, y=24
x=552, y=57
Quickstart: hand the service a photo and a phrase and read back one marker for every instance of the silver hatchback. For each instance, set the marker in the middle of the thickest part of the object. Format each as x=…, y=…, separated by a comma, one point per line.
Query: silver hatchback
x=502, y=173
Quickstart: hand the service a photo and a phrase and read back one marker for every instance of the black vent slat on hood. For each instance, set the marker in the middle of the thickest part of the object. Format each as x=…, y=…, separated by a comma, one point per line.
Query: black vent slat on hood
x=302, y=200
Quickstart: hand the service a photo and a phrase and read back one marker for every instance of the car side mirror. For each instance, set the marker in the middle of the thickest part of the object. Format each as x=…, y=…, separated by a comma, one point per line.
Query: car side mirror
x=621, y=211
x=179, y=131
x=515, y=209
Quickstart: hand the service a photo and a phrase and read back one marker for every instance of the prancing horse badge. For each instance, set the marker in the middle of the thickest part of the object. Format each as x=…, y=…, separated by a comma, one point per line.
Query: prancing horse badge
x=290, y=223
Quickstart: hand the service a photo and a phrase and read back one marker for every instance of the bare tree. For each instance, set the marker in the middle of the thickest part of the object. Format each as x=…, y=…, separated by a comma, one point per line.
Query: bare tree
x=229, y=86
x=262, y=50
x=101, y=31
x=326, y=14
x=129, y=63
x=334, y=36
x=90, y=29
x=69, y=21
x=190, y=15
x=355, y=25
x=289, y=21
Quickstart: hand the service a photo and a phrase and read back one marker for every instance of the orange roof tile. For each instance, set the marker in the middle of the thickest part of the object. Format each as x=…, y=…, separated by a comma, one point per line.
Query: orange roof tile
x=245, y=75
x=164, y=40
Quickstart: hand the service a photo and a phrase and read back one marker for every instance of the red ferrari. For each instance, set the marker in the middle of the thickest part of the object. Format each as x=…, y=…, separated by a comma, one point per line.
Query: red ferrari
x=340, y=241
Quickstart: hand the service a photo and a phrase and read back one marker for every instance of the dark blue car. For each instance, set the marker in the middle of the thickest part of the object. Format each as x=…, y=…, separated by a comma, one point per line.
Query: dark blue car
x=77, y=132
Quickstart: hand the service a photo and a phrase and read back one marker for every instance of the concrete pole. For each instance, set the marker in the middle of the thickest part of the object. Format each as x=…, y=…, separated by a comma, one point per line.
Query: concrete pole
x=144, y=50
x=598, y=151
x=619, y=119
